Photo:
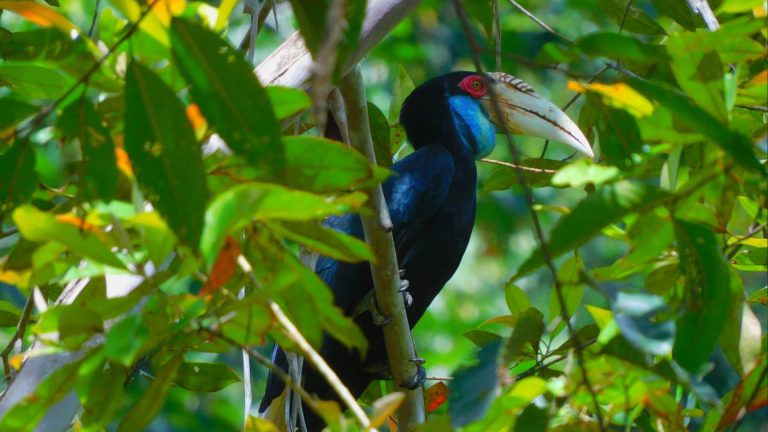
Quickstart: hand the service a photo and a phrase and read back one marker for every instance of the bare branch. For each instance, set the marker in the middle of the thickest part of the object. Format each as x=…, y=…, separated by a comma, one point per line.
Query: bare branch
x=541, y=23
x=702, y=8
x=291, y=65
x=538, y=231
x=386, y=274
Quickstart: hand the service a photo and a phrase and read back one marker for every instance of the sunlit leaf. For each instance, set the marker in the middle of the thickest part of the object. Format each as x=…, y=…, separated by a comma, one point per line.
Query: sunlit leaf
x=36, y=225
x=326, y=241
x=39, y=14
x=261, y=201
x=385, y=407
x=617, y=95
x=287, y=101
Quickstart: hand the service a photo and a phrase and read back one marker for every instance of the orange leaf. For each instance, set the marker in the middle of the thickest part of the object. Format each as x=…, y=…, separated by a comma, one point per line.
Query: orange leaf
x=196, y=117
x=760, y=79
x=16, y=360
x=121, y=157
x=77, y=221
x=224, y=267
x=436, y=396
x=735, y=409
x=39, y=14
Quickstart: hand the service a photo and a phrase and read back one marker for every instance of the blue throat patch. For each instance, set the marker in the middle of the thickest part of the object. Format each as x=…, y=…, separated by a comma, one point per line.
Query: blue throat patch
x=473, y=126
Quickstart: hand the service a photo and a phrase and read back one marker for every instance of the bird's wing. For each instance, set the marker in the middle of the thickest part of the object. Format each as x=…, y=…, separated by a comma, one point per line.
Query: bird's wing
x=419, y=186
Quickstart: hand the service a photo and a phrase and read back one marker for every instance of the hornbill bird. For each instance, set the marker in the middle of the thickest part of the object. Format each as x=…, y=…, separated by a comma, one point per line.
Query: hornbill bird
x=451, y=122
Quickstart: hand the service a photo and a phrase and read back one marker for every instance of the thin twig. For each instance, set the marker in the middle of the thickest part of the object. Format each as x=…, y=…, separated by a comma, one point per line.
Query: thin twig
x=541, y=23
x=320, y=364
x=17, y=335
x=702, y=8
x=737, y=245
x=93, y=20
x=518, y=166
x=325, y=62
x=536, y=224
x=385, y=273
x=308, y=399
x=624, y=16
x=759, y=108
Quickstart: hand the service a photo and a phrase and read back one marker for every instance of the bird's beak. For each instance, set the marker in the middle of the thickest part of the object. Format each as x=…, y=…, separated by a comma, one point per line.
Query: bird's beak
x=524, y=112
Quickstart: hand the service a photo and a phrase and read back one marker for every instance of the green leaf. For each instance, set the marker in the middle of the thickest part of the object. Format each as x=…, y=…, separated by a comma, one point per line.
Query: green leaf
x=141, y=414
x=380, y=135
x=325, y=241
x=79, y=322
x=17, y=176
x=741, y=336
x=517, y=299
x=620, y=47
x=634, y=19
x=402, y=87
x=312, y=16
x=572, y=289
x=678, y=11
x=14, y=111
x=166, y=157
x=699, y=73
x=100, y=394
x=321, y=165
x=30, y=410
x=229, y=95
x=205, y=377
x=98, y=169
x=707, y=294
x=528, y=331
x=473, y=388
x=583, y=172
x=287, y=101
x=9, y=314
x=481, y=337
x=126, y=339
x=603, y=207
x=249, y=202
x=738, y=146
x=302, y=293
x=482, y=12
x=40, y=226
x=619, y=135
x=532, y=419
x=34, y=81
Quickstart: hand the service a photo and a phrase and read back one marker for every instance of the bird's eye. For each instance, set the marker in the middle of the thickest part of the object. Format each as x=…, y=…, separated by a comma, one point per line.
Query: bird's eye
x=474, y=85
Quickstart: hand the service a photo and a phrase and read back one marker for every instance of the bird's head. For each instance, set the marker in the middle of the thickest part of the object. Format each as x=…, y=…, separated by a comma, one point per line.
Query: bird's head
x=480, y=105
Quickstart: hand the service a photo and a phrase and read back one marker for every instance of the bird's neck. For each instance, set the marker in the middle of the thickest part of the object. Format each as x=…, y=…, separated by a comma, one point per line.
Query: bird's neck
x=476, y=134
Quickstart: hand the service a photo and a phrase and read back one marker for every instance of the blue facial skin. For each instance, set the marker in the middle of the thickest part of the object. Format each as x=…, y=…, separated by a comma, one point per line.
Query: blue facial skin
x=474, y=128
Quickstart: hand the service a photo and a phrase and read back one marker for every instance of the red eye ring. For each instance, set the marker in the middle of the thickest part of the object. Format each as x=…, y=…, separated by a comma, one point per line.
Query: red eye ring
x=474, y=85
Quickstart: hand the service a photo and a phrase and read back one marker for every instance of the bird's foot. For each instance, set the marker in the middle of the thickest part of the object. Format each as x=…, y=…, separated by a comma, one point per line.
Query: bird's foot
x=407, y=298
x=379, y=319
x=420, y=376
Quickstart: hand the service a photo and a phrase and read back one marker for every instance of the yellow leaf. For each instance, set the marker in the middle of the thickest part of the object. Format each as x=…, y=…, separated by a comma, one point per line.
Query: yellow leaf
x=16, y=360
x=39, y=14
x=617, y=95
x=754, y=242
x=19, y=279
x=155, y=24
x=601, y=316
x=760, y=79
x=225, y=10
x=386, y=406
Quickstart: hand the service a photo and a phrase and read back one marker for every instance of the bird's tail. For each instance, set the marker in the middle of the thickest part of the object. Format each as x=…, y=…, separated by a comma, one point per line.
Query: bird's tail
x=285, y=410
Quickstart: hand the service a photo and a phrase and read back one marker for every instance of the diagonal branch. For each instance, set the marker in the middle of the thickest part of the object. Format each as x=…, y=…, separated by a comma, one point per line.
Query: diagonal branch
x=702, y=8
x=386, y=275
x=538, y=231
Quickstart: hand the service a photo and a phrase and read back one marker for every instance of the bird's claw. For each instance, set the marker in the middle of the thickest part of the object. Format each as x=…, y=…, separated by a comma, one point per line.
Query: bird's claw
x=407, y=298
x=420, y=376
x=379, y=319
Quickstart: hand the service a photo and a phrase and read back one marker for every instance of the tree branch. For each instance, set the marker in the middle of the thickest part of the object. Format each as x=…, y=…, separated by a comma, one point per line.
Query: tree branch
x=386, y=274
x=291, y=64
x=702, y=8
